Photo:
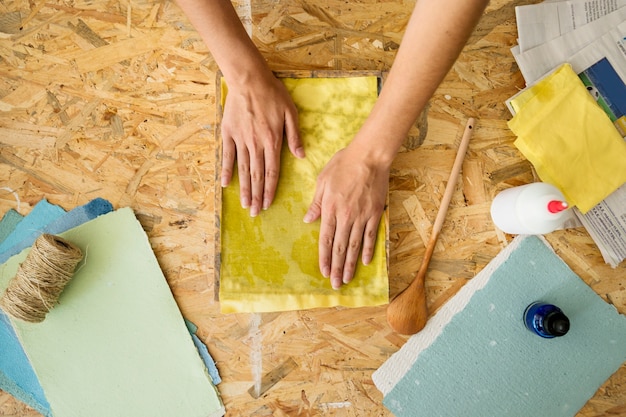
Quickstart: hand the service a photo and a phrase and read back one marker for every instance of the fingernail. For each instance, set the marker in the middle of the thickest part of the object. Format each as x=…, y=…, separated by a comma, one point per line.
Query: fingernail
x=254, y=211
x=326, y=272
x=245, y=202
x=308, y=218
x=336, y=283
x=300, y=152
x=224, y=183
x=266, y=204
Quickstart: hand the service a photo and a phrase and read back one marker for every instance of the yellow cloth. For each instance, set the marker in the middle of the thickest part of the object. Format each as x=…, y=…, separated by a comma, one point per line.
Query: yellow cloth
x=569, y=139
x=270, y=262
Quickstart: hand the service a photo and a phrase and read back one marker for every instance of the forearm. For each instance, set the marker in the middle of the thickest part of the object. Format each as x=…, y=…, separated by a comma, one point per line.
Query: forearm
x=436, y=34
x=222, y=31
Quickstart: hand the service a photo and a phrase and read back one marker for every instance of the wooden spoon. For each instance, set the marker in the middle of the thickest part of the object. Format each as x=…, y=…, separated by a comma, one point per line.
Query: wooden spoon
x=407, y=313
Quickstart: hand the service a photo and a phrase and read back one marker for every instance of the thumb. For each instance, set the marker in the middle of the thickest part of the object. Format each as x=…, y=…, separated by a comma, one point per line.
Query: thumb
x=292, y=132
x=315, y=209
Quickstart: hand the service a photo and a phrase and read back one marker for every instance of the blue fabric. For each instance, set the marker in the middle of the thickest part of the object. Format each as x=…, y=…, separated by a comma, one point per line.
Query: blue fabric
x=486, y=363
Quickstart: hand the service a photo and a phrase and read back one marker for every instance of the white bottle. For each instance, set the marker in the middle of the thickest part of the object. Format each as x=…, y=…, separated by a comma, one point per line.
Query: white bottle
x=531, y=209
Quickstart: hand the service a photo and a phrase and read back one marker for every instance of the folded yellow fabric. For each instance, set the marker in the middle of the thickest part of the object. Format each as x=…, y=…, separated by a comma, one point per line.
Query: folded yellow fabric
x=569, y=139
x=270, y=262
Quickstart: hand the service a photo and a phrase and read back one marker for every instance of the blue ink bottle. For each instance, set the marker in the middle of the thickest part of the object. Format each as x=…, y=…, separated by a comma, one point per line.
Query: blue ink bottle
x=546, y=320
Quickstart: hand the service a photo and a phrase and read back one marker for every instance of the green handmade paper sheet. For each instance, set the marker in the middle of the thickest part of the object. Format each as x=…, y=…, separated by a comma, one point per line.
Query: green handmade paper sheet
x=270, y=262
x=116, y=344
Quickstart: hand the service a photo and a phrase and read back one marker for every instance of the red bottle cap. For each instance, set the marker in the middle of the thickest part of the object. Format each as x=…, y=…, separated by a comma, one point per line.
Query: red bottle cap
x=556, y=206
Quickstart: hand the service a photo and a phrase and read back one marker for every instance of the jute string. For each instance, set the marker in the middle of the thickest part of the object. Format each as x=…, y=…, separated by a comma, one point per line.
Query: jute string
x=41, y=278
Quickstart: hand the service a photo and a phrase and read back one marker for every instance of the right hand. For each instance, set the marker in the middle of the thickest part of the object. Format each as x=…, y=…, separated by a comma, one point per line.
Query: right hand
x=350, y=197
x=257, y=115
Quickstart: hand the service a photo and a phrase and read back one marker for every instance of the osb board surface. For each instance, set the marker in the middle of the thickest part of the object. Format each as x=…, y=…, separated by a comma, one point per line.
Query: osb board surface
x=116, y=99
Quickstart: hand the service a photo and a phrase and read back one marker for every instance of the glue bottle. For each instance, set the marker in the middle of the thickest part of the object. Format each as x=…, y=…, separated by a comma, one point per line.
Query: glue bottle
x=531, y=209
x=546, y=320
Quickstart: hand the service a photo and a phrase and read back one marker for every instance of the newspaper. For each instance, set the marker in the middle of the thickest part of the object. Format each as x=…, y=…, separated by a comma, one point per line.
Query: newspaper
x=542, y=59
x=601, y=65
x=602, y=68
x=597, y=52
x=539, y=23
x=606, y=224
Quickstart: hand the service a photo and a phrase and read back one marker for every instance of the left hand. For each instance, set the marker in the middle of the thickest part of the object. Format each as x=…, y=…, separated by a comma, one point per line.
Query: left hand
x=255, y=119
x=350, y=197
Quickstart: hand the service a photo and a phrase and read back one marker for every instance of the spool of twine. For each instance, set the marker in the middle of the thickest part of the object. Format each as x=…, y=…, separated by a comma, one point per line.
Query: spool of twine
x=41, y=278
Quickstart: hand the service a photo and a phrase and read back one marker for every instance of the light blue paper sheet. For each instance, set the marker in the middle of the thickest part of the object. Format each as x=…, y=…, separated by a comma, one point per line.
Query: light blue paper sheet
x=476, y=358
x=8, y=223
x=16, y=375
x=41, y=215
x=65, y=221
x=204, y=353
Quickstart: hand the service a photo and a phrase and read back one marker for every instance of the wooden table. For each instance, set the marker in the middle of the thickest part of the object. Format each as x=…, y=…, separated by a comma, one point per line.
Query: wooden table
x=116, y=99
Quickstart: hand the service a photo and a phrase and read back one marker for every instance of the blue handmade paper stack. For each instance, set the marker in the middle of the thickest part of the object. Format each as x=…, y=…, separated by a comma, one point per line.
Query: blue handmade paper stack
x=16, y=375
x=18, y=232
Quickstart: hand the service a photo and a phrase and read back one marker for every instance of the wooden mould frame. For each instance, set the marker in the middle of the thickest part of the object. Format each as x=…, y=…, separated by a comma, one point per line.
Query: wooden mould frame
x=380, y=75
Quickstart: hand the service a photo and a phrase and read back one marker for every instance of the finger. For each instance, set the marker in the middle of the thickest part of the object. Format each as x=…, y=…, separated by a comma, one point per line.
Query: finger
x=243, y=168
x=325, y=245
x=292, y=133
x=369, y=240
x=327, y=229
x=257, y=180
x=315, y=209
x=272, y=172
x=339, y=252
x=352, y=254
x=228, y=160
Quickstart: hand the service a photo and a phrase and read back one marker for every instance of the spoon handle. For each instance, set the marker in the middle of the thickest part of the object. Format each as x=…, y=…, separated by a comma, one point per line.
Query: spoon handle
x=454, y=175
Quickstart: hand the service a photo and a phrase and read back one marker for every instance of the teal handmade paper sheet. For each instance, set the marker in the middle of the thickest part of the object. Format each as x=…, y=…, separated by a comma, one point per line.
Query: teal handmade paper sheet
x=476, y=358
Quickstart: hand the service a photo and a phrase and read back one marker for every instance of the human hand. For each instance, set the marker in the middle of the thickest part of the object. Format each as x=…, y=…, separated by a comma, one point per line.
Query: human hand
x=256, y=117
x=350, y=197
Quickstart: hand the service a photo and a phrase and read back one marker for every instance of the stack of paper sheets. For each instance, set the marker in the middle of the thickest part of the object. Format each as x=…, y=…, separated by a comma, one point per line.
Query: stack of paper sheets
x=116, y=344
x=589, y=36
